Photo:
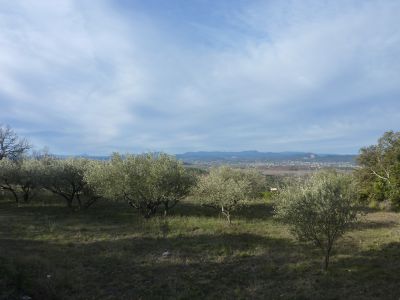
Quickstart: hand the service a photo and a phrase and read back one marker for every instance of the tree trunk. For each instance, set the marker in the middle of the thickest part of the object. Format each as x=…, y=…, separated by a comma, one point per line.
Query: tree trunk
x=26, y=197
x=166, y=207
x=90, y=202
x=15, y=196
x=27, y=193
x=69, y=197
x=147, y=214
x=79, y=201
x=149, y=211
x=327, y=256
x=69, y=203
x=9, y=188
x=226, y=214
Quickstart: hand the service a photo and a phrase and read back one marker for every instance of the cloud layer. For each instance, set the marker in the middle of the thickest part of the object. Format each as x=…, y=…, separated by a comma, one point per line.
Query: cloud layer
x=102, y=76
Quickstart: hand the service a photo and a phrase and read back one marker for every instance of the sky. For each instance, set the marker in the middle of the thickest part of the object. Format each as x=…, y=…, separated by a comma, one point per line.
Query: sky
x=98, y=76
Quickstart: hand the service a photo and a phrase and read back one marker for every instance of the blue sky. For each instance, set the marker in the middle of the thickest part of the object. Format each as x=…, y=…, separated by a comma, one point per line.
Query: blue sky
x=86, y=76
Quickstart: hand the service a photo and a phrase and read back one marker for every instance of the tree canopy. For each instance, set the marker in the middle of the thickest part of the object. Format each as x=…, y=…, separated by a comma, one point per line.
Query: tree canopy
x=66, y=178
x=379, y=175
x=318, y=210
x=145, y=181
x=225, y=189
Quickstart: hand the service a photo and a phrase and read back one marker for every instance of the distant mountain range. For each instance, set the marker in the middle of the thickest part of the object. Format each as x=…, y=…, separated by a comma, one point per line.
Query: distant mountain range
x=256, y=156
x=249, y=156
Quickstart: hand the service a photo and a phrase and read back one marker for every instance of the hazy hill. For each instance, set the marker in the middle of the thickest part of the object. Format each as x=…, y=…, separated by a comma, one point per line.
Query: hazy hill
x=247, y=156
x=252, y=156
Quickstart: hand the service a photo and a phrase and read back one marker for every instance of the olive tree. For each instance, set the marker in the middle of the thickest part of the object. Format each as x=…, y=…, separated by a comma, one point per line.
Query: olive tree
x=19, y=178
x=257, y=181
x=223, y=189
x=9, y=172
x=28, y=178
x=11, y=146
x=318, y=210
x=66, y=178
x=144, y=181
x=175, y=182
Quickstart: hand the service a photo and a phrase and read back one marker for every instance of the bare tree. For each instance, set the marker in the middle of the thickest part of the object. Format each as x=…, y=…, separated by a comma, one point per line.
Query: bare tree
x=11, y=146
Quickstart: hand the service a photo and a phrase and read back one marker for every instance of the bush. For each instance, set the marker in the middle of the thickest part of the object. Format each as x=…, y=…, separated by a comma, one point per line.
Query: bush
x=319, y=210
x=224, y=189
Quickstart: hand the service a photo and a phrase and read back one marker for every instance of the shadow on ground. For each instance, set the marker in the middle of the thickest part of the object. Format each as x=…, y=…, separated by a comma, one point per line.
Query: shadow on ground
x=253, y=211
x=137, y=269
x=199, y=266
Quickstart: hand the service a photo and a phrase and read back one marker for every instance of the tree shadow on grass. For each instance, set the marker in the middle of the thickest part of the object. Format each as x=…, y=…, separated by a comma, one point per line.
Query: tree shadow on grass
x=375, y=225
x=252, y=211
x=136, y=268
x=372, y=274
x=113, y=213
x=200, y=266
x=104, y=212
x=226, y=266
x=256, y=211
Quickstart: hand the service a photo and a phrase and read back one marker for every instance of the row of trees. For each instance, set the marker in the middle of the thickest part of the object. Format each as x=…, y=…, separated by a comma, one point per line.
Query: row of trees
x=318, y=209
x=146, y=182
x=378, y=175
x=25, y=178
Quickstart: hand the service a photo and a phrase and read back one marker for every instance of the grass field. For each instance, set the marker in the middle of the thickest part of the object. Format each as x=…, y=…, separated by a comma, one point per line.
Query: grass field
x=109, y=252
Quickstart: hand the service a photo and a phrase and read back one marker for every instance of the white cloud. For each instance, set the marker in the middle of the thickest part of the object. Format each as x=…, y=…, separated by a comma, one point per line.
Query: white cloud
x=81, y=76
x=69, y=68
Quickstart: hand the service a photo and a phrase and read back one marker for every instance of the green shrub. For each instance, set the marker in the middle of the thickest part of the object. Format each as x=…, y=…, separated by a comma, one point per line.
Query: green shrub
x=144, y=181
x=225, y=189
x=319, y=210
